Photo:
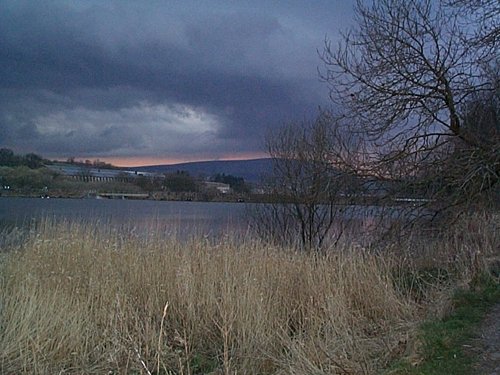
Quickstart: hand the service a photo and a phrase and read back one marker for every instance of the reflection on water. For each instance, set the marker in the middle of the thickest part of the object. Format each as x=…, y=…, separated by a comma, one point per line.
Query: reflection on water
x=167, y=218
x=202, y=215
x=181, y=218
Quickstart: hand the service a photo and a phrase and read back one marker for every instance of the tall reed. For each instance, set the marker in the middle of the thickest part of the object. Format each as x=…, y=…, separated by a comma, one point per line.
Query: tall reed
x=77, y=298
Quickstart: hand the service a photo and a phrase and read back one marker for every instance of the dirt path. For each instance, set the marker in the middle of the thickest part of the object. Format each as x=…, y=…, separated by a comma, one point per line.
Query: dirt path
x=487, y=344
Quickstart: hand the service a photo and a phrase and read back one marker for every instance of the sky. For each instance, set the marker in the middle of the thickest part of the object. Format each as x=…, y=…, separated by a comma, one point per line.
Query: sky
x=159, y=82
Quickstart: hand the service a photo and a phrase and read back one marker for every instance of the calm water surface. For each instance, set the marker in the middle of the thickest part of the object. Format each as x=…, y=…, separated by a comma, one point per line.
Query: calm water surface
x=182, y=217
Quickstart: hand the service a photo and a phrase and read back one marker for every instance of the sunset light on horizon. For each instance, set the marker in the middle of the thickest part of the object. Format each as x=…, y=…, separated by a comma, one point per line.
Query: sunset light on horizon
x=137, y=161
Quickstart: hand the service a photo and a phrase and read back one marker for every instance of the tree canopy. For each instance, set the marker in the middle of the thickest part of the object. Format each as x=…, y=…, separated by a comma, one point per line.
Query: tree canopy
x=9, y=159
x=417, y=84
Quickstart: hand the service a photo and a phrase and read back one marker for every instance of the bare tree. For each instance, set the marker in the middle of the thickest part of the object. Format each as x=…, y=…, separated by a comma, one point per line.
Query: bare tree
x=403, y=79
x=307, y=187
x=415, y=85
x=482, y=17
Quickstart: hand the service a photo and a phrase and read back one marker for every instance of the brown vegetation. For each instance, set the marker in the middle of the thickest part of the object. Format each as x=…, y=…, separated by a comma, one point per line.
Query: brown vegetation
x=76, y=299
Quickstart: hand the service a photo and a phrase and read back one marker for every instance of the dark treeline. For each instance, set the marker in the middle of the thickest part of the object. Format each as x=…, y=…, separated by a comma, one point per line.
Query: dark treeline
x=91, y=163
x=9, y=159
x=182, y=181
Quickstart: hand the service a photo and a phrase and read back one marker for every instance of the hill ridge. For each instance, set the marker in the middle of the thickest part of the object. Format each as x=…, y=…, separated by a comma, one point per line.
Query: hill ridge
x=252, y=170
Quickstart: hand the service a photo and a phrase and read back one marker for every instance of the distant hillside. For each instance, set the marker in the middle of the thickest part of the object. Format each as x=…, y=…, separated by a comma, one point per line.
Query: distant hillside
x=250, y=170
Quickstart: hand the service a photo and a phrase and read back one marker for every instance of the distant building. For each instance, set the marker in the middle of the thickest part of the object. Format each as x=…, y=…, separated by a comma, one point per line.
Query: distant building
x=91, y=173
x=219, y=186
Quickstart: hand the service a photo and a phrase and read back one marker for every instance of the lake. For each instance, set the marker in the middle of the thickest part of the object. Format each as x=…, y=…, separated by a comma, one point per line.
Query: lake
x=182, y=218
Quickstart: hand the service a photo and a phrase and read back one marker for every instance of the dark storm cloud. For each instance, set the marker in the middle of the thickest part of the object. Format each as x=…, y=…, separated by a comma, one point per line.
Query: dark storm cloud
x=128, y=78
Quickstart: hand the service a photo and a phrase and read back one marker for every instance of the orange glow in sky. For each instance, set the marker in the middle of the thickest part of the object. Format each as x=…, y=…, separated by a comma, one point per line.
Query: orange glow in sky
x=135, y=161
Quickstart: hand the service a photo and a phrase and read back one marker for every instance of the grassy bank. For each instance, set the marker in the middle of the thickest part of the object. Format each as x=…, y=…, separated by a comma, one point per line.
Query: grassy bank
x=445, y=342
x=78, y=299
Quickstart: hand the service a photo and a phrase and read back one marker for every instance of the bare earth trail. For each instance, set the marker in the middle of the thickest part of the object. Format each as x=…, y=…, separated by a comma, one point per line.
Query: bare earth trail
x=487, y=344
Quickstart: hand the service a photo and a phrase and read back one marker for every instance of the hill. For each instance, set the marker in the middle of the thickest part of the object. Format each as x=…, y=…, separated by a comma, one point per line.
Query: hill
x=250, y=170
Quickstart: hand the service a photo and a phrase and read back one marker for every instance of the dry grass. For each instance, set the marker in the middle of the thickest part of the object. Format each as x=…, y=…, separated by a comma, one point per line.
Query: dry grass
x=76, y=299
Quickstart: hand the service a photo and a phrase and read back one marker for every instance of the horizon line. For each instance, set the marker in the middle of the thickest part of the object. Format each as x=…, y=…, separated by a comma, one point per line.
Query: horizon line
x=136, y=162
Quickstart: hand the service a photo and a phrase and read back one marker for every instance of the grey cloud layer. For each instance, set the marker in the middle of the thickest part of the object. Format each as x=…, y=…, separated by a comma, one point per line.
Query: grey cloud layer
x=110, y=78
